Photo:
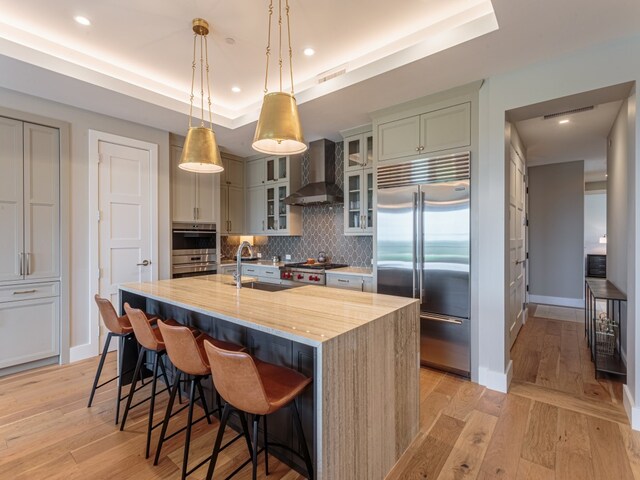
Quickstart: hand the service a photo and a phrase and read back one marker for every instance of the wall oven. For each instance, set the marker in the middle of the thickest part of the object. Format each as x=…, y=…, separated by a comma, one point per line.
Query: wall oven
x=194, y=249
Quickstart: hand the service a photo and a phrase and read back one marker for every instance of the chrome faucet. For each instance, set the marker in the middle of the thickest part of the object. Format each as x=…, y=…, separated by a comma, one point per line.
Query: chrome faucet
x=238, y=275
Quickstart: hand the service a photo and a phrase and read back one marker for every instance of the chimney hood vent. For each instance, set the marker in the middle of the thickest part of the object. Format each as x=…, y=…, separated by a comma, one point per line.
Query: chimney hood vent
x=322, y=188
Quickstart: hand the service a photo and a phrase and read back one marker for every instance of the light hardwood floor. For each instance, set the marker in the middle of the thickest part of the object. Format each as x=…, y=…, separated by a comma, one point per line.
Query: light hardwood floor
x=466, y=431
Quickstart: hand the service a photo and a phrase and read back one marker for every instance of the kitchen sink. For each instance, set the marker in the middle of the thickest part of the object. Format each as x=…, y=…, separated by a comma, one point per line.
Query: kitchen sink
x=268, y=287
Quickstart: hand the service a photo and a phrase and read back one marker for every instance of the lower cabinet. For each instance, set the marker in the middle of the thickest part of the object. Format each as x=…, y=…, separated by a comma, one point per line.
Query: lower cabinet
x=30, y=325
x=359, y=283
x=263, y=273
x=227, y=269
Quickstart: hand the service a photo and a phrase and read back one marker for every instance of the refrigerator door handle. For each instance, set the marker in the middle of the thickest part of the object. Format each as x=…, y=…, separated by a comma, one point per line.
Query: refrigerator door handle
x=440, y=318
x=421, y=245
x=415, y=241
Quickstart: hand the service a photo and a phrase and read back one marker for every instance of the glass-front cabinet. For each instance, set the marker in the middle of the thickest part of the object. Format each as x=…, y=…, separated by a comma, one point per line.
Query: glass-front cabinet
x=277, y=210
x=358, y=207
x=358, y=184
x=277, y=169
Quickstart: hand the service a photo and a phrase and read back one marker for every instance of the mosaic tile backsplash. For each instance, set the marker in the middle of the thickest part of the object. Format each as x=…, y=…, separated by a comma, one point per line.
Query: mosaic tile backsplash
x=322, y=230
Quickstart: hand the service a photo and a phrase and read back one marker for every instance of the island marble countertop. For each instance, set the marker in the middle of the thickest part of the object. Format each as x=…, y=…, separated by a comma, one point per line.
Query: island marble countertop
x=310, y=314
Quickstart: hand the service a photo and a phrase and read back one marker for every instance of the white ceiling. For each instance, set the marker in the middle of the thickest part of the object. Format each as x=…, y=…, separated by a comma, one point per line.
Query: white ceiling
x=134, y=61
x=582, y=136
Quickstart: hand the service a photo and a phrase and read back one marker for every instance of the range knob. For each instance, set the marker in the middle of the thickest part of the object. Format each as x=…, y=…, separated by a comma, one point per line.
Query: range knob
x=316, y=279
x=300, y=276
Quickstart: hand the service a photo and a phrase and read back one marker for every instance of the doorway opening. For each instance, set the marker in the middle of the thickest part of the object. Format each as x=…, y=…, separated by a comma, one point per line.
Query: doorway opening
x=559, y=154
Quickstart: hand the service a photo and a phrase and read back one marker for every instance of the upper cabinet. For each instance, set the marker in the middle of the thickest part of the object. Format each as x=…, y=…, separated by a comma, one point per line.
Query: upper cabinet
x=277, y=169
x=434, y=131
x=232, y=213
x=193, y=194
x=358, y=184
x=269, y=181
x=29, y=201
x=233, y=174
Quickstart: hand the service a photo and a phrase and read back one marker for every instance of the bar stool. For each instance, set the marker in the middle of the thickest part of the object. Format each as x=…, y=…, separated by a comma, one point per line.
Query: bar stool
x=258, y=388
x=118, y=327
x=150, y=340
x=186, y=352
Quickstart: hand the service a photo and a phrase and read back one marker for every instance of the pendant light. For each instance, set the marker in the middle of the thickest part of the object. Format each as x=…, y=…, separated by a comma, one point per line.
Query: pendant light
x=200, y=153
x=278, y=131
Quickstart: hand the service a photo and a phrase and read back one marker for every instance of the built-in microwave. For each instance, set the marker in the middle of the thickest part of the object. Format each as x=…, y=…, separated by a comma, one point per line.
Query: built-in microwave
x=193, y=249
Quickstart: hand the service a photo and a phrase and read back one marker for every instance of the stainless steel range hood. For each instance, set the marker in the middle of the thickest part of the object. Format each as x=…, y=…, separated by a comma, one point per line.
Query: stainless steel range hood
x=322, y=188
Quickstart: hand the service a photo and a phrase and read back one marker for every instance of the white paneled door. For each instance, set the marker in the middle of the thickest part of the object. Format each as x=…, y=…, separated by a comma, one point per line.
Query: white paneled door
x=517, y=250
x=126, y=223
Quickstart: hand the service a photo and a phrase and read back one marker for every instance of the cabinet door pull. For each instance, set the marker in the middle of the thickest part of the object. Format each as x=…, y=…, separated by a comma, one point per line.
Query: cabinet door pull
x=417, y=149
x=230, y=225
x=24, y=292
x=21, y=260
x=263, y=225
x=343, y=281
x=28, y=264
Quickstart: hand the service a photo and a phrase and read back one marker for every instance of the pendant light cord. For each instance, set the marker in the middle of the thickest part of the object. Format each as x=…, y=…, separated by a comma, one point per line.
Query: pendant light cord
x=268, y=51
x=290, y=50
x=193, y=78
x=206, y=56
x=266, y=75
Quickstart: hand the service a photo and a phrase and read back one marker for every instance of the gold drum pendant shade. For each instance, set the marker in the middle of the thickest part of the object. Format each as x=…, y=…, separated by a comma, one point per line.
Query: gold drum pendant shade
x=200, y=153
x=279, y=131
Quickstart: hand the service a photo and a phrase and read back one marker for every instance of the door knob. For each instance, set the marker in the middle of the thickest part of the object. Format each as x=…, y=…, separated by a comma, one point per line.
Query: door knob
x=144, y=263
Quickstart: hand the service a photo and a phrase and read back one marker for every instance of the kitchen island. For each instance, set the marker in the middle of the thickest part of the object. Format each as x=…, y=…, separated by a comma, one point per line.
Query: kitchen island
x=361, y=349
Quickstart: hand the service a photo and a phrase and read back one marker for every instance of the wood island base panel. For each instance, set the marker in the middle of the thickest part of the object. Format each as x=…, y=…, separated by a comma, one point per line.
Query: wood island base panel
x=362, y=349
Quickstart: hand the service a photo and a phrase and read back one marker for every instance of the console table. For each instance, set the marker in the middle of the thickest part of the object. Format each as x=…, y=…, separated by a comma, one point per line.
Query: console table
x=605, y=346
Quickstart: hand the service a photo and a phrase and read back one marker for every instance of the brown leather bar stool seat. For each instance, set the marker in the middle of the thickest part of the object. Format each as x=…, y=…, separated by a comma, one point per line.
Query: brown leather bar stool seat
x=120, y=328
x=150, y=340
x=187, y=353
x=259, y=388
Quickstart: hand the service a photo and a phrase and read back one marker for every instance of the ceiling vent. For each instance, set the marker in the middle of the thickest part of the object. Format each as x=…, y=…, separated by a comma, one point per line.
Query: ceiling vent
x=569, y=112
x=331, y=74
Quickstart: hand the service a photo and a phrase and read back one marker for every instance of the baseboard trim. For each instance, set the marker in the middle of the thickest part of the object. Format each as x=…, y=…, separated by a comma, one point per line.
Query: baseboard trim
x=81, y=352
x=493, y=380
x=633, y=412
x=557, y=301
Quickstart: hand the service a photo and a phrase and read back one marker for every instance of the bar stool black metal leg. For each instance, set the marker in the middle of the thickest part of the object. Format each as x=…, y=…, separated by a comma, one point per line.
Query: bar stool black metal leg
x=133, y=387
x=164, y=372
x=204, y=401
x=254, y=456
x=187, y=441
x=216, y=447
x=305, y=449
x=152, y=404
x=245, y=431
x=167, y=415
x=120, y=362
x=266, y=445
x=105, y=350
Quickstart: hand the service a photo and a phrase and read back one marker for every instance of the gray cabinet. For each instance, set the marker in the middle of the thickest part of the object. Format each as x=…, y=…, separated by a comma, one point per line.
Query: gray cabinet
x=192, y=194
x=270, y=180
x=29, y=202
x=434, y=131
x=358, y=184
x=359, y=283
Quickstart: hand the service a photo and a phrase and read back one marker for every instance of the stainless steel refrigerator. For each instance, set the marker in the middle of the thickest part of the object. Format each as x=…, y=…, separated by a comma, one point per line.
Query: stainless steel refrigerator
x=423, y=251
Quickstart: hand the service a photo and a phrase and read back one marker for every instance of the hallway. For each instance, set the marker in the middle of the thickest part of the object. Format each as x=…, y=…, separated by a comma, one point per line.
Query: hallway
x=551, y=359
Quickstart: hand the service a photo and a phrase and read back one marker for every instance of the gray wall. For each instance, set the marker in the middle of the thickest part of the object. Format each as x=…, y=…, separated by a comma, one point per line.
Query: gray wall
x=619, y=197
x=618, y=200
x=556, y=230
x=322, y=229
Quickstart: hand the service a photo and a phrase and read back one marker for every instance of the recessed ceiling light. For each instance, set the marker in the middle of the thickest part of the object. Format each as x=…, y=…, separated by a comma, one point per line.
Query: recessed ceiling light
x=82, y=20
x=230, y=40
x=309, y=51
x=563, y=121
x=236, y=89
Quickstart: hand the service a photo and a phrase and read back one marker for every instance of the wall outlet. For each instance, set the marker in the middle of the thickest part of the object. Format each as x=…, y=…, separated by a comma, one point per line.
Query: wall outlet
x=287, y=257
x=259, y=255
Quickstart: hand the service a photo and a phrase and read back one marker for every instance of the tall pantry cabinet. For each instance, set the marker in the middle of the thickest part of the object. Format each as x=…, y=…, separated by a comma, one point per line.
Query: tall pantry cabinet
x=29, y=243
